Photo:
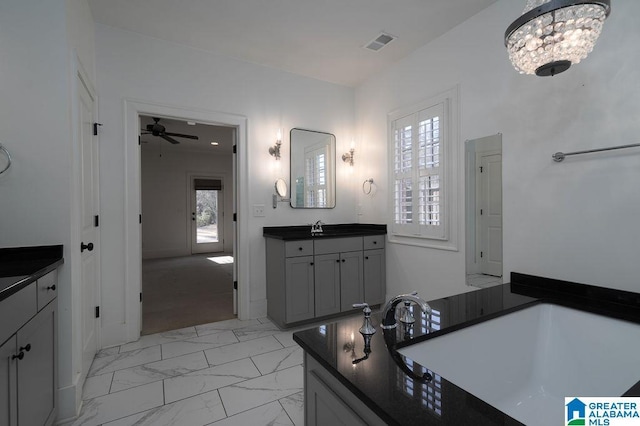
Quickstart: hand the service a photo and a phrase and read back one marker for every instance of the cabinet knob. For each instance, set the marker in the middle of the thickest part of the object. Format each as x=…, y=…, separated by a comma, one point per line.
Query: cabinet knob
x=53, y=287
x=344, y=260
x=337, y=260
x=311, y=263
x=300, y=248
x=26, y=348
x=375, y=242
x=19, y=356
x=366, y=257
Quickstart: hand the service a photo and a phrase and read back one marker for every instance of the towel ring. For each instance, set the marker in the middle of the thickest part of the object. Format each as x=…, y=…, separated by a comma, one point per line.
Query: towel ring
x=3, y=149
x=364, y=184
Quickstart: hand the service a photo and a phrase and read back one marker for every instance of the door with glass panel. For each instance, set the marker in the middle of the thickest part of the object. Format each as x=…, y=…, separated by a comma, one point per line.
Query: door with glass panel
x=207, y=230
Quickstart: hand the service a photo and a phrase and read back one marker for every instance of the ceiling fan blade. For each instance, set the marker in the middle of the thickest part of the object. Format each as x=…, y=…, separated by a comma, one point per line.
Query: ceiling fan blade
x=169, y=139
x=180, y=135
x=150, y=127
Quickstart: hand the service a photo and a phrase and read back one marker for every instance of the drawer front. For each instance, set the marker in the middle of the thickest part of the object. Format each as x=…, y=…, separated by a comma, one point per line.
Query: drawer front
x=47, y=288
x=298, y=248
x=337, y=245
x=374, y=242
x=16, y=310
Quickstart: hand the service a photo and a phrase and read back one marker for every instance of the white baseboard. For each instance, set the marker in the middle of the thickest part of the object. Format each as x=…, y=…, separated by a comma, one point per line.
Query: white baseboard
x=69, y=402
x=258, y=309
x=113, y=335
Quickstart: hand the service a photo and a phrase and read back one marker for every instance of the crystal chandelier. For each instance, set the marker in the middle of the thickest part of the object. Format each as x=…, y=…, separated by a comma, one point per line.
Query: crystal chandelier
x=553, y=34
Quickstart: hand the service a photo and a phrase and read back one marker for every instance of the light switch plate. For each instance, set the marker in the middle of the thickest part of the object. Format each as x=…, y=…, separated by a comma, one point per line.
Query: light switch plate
x=258, y=210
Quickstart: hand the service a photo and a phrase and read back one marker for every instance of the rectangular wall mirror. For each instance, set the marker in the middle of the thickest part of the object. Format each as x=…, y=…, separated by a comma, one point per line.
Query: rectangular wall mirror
x=313, y=169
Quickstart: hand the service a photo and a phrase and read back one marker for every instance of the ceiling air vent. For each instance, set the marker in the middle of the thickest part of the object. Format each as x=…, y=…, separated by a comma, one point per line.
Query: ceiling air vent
x=379, y=42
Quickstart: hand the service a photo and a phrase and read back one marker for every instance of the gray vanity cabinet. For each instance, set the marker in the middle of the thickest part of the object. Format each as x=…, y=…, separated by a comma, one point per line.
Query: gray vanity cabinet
x=374, y=270
x=289, y=280
x=347, y=255
x=298, y=283
x=327, y=284
x=8, y=380
x=328, y=402
x=28, y=369
x=37, y=370
x=319, y=277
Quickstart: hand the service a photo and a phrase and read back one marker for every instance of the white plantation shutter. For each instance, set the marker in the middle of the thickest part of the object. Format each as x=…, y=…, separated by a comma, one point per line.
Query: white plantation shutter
x=418, y=173
x=316, y=185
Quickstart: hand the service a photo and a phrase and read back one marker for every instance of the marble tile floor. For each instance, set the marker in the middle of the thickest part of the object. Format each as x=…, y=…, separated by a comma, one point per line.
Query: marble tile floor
x=482, y=280
x=225, y=373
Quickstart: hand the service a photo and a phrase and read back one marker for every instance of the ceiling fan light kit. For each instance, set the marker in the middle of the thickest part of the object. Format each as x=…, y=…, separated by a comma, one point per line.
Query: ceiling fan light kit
x=551, y=35
x=157, y=129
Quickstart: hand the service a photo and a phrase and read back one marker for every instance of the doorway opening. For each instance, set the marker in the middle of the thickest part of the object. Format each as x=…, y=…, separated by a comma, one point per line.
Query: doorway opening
x=188, y=235
x=483, y=158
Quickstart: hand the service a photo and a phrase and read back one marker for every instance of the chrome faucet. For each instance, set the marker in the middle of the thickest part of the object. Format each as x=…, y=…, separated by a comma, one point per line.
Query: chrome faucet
x=389, y=312
x=317, y=227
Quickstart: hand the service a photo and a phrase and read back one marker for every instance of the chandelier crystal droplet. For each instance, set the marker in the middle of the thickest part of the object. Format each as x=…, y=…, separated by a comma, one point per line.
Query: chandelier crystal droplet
x=551, y=35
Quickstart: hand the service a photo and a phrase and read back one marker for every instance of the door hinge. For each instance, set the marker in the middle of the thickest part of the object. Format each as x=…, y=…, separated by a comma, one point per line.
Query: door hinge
x=95, y=128
x=235, y=149
x=96, y=221
x=481, y=212
x=235, y=217
x=235, y=285
x=139, y=142
x=97, y=311
x=481, y=254
x=140, y=297
x=139, y=218
x=480, y=169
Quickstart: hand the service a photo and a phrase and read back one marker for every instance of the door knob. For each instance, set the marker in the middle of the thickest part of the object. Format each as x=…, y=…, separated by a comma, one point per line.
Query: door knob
x=84, y=247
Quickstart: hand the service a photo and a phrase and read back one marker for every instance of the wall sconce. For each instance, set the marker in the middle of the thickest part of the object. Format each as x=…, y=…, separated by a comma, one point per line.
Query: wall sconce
x=347, y=157
x=275, y=150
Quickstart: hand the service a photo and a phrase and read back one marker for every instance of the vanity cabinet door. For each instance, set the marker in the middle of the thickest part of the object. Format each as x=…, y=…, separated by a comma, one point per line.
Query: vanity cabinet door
x=299, y=293
x=374, y=277
x=325, y=407
x=327, y=284
x=351, y=280
x=37, y=369
x=8, y=383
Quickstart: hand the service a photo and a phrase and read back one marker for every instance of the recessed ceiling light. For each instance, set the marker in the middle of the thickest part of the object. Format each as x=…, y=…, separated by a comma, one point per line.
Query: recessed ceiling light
x=191, y=123
x=215, y=143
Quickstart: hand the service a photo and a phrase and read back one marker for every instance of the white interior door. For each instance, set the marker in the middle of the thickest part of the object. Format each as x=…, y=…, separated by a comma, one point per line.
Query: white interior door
x=90, y=235
x=207, y=215
x=490, y=214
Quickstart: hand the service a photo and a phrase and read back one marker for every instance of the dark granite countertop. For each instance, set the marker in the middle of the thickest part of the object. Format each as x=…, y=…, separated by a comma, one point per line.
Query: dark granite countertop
x=20, y=266
x=303, y=232
x=388, y=387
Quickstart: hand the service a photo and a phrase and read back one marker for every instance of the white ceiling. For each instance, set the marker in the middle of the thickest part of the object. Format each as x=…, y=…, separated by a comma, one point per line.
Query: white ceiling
x=321, y=39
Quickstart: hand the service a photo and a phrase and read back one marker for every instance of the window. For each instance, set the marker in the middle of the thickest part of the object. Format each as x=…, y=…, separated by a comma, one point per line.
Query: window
x=423, y=156
x=315, y=159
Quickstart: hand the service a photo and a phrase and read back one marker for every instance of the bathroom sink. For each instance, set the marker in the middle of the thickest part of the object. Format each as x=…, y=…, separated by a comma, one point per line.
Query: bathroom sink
x=525, y=363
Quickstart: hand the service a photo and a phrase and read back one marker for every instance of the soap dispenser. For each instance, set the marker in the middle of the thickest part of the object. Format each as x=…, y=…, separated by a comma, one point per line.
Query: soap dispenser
x=367, y=328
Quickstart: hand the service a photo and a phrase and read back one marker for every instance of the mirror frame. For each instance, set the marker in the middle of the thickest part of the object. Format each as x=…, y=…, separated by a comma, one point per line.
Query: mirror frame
x=331, y=167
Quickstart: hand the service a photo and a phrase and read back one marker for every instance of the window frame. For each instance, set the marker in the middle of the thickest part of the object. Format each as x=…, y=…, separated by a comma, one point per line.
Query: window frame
x=445, y=235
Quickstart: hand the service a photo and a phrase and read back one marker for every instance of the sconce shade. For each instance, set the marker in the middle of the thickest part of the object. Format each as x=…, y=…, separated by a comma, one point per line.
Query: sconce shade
x=551, y=35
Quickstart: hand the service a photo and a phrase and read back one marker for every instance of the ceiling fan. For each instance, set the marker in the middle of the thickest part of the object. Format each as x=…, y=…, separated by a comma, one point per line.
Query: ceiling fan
x=157, y=129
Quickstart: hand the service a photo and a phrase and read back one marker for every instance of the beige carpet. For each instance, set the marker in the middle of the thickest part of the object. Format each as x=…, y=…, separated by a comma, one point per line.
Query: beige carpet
x=185, y=291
